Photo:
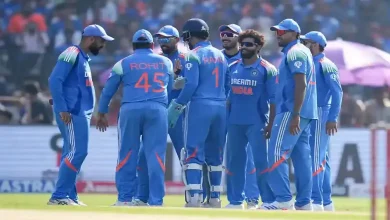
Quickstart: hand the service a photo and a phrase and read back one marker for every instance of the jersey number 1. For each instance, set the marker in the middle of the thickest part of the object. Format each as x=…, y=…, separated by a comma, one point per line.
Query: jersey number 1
x=216, y=73
x=143, y=82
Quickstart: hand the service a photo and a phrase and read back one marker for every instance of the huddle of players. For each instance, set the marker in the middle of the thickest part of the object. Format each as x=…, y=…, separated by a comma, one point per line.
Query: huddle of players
x=234, y=89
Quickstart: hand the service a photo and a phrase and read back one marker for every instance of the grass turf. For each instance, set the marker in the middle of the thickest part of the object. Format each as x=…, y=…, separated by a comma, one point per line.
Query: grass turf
x=347, y=208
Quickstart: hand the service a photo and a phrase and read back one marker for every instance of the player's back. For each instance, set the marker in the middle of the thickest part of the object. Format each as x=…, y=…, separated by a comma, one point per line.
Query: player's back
x=146, y=77
x=212, y=73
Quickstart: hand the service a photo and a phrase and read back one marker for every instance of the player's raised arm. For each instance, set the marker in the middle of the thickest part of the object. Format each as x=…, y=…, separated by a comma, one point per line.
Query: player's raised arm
x=332, y=79
x=171, y=76
x=192, y=78
x=63, y=67
x=111, y=87
x=297, y=62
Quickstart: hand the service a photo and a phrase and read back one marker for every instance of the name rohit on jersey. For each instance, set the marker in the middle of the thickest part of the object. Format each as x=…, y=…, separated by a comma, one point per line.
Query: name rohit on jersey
x=243, y=86
x=146, y=66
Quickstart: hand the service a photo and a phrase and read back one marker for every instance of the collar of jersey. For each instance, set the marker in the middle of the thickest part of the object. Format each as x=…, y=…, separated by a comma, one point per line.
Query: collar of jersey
x=319, y=56
x=83, y=53
x=143, y=51
x=202, y=44
x=288, y=47
x=254, y=65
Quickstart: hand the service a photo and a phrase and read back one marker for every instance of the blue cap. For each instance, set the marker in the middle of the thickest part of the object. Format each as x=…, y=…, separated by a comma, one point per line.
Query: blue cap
x=95, y=30
x=287, y=25
x=233, y=27
x=315, y=36
x=167, y=31
x=142, y=36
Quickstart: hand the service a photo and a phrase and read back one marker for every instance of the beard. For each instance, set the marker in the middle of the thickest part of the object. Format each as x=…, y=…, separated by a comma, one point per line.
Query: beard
x=228, y=47
x=94, y=49
x=167, y=50
x=248, y=54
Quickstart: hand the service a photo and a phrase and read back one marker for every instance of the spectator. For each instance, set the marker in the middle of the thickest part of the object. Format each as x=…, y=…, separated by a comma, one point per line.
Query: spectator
x=378, y=108
x=66, y=37
x=19, y=20
x=33, y=43
x=36, y=108
x=352, y=111
x=5, y=115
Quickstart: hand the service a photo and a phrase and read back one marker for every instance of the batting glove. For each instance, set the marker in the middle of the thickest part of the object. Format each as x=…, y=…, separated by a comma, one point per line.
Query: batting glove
x=174, y=112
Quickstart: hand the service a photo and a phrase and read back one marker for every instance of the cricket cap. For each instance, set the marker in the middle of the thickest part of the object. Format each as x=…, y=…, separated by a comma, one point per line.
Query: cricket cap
x=287, y=25
x=232, y=27
x=142, y=36
x=315, y=36
x=95, y=30
x=167, y=31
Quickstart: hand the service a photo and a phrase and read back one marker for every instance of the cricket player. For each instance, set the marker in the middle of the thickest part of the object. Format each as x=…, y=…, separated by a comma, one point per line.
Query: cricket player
x=73, y=97
x=205, y=120
x=168, y=38
x=146, y=79
x=329, y=98
x=229, y=37
x=251, y=113
x=296, y=108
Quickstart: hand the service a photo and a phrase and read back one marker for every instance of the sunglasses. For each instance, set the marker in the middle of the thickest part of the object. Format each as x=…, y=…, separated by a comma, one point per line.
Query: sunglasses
x=247, y=44
x=227, y=34
x=165, y=40
x=281, y=32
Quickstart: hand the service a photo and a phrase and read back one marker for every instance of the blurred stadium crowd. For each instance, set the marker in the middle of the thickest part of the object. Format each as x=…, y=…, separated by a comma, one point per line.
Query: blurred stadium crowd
x=34, y=32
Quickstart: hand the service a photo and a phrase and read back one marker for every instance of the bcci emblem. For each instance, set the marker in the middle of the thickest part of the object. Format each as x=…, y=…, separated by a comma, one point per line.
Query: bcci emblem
x=188, y=66
x=298, y=64
x=254, y=73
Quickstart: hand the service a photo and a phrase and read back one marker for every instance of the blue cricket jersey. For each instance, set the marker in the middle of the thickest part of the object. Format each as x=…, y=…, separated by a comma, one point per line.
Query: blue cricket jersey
x=145, y=76
x=205, y=72
x=181, y=56
x=329, y=91
x=230, y=59
x=71, y=84
x=252, y=91
x=297, y=59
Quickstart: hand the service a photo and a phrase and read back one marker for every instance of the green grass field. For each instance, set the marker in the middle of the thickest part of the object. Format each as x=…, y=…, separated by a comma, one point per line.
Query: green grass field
x=347, y=208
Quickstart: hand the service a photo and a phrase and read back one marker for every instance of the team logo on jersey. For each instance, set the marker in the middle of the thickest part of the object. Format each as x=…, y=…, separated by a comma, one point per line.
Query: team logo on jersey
x=235, y=72
x=298, y=64
x=254, y=73
x=188, y=66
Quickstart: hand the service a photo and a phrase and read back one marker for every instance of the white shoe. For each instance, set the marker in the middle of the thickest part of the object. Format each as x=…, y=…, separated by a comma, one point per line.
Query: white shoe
x=62, y=202
x=137, y=202
x=119, y=203
x=307, y=207
x=251, y=205
x=194, y=201
x=329, y=208
x=231, y=206
x=279, y=206
x=264, y=204
x=318, y=208
x=78, y=202
x=213, y=203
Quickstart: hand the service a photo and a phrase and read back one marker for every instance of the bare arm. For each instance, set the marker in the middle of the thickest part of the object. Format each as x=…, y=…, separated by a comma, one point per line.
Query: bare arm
x=299, y=92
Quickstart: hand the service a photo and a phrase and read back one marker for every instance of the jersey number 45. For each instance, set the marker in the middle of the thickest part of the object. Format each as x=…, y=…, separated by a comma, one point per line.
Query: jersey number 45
x=143, y=82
